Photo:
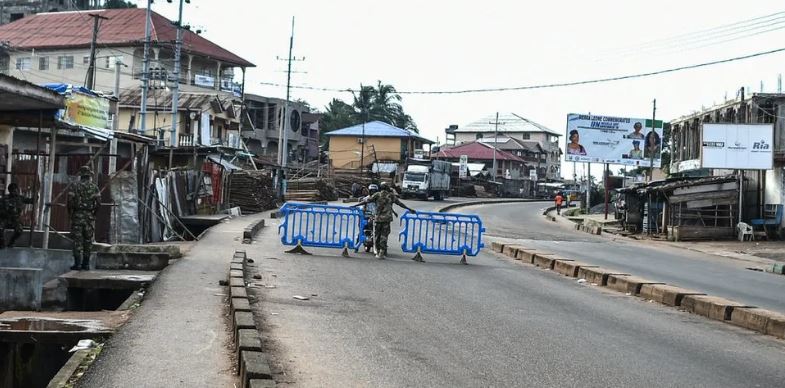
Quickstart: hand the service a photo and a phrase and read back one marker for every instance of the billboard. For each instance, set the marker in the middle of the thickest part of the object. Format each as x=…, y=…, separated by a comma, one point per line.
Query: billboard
x=737, y=146
x=614, y=140
x=87, y=111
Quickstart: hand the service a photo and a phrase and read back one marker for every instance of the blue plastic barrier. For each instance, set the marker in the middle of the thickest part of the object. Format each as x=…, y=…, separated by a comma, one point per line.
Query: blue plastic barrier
x=323, y=226
x=441, y=233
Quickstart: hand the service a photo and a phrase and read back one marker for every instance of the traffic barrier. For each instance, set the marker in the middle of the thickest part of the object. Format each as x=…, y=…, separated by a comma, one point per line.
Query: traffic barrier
x=321, y=226
x=441, y=233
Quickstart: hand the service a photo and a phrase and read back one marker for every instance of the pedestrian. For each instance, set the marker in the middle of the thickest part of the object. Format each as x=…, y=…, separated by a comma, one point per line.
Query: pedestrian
x=83, y=203
x=559, y=199
x=355, y=190
x=11, y=210
x=384, y=201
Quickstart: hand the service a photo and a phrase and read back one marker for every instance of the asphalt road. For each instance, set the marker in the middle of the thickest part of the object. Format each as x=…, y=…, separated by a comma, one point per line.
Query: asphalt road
x=714, y=275
x=398, y=323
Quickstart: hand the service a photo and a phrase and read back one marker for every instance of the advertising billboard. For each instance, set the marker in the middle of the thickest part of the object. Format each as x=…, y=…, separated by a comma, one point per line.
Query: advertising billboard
x=88, y=111
x=614, y=140
x=737, y=146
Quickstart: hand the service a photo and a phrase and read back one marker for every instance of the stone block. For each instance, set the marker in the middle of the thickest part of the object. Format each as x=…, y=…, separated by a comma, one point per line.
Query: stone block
x=236, y=273
x=240, y=304
x=141, y=261
x=497, y=246
x=569, y=267
x=665, y=294
x=236, y=266
x=753, y=318
x=20, y=288
x=776, y=326
x=627, y=283
x=709, y=306
x=238, y=292
x=253, y=365
x=243, y=320
x=262, y=383
x=544, y=260
x=511, y=250
x=236, y=282
x=527, y=255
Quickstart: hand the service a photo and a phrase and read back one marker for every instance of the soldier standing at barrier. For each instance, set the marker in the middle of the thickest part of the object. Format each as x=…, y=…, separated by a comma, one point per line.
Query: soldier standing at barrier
x=83, y=203
x=10, y=211
x=384, y=201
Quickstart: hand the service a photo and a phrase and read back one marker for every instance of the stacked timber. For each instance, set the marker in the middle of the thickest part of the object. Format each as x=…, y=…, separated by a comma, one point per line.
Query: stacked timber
x=310, y=189
x=252, y=191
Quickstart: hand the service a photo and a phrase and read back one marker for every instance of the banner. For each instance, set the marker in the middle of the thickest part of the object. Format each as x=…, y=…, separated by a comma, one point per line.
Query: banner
x=87, y=111
x=737, y=146
x=614, y=140
x=205, y=132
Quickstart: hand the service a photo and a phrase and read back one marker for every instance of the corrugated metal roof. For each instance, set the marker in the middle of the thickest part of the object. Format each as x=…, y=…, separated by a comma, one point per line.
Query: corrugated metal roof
x=125, y=27
x=477, y=151
x=512, y=122
x=376, y=129
x=163, y=99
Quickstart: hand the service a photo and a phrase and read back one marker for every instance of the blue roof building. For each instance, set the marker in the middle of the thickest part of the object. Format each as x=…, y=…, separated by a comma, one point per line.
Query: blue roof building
x=364, y=144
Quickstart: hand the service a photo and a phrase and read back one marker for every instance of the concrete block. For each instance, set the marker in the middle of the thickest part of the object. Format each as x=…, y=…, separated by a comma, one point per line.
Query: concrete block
x=236, y=266
x=253, y=365
x=753, y=318
x=240, y=304
x=569, y=267
x=54, y=295
x=142, y=261
x=544, y=260
x=627, y=283
x=251, y=230
x=665, y=294
x=243, y=320
x=527, y=255
x=238, y=292
x=236, y=282
x=776, y=326
x=20, y=288
x=511, y=250
x=236, y=273
x=262, y=383
x=709, y=306
x=497, y=246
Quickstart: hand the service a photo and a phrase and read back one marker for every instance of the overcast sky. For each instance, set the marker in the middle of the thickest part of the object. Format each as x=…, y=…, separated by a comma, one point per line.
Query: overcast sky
x=448, y=45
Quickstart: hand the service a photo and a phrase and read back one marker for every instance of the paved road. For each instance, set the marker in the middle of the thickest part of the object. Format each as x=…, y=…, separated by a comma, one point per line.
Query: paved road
x=397, y=323
x=711, y=274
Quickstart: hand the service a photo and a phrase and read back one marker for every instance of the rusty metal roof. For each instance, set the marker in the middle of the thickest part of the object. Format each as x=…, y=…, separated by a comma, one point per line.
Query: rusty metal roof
x=125, y=27
x=163, y=100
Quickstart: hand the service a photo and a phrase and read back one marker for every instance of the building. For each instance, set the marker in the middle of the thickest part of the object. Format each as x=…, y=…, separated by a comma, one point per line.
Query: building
x=262, y=125
x=364, y=144
x=37, y=50
x=518, y=127
x=534, y=156
x=13, y=10
x=761, y=187
x=511, y=166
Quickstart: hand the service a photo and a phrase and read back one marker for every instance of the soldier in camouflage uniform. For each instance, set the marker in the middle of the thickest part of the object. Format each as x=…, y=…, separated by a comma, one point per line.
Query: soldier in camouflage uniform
x=10, y=210
x=384, y=201
x=83, y=203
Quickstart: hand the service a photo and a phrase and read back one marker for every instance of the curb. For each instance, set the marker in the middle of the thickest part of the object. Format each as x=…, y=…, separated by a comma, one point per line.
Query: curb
x=251, y=230
x=749, y=317
x=488, y=202
x=253, y=365
x=65, y=373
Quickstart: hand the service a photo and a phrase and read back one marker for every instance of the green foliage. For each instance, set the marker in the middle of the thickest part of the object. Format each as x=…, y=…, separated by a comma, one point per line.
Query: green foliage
x=118, y=4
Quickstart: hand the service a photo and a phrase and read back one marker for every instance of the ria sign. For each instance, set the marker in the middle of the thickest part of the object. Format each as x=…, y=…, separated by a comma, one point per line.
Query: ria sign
x=737, y=146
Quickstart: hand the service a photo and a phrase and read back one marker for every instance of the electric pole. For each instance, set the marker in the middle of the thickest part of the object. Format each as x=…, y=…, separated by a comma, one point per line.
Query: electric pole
x=283, y=146
x=653, y=129
x=90, y=84
x=176, y=88
x=495, y=141
x=145, y=69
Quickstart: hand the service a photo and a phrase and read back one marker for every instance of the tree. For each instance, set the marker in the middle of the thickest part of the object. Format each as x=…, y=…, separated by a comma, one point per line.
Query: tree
x=109, y=4
x=337, y=115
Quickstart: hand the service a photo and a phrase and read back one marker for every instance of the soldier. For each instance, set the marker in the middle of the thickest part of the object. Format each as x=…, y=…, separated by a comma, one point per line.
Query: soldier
x=11, y=209
x=83, y=203
x=384, y=201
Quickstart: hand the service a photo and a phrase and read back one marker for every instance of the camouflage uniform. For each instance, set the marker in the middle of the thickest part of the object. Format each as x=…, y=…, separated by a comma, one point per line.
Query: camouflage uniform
x=11, y=209
x=83, y=203
x=384, y=201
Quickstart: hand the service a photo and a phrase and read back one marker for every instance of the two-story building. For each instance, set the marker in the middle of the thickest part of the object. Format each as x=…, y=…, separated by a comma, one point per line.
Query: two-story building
x=261, y=128
x=55, y=47
x=512, y=125
x=376, y=141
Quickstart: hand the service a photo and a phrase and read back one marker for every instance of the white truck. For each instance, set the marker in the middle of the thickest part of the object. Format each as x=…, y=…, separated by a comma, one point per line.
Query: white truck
x=426, y=178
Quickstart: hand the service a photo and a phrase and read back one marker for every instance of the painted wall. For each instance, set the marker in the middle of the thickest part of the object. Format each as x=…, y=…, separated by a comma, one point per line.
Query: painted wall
x=345, y=150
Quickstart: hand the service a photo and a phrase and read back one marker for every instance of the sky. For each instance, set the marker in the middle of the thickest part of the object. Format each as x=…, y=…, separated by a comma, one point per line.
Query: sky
x=449, y=45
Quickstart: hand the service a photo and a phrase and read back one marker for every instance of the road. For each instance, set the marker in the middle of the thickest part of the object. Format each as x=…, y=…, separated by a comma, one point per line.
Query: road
x=495, y=322
x=713, y=275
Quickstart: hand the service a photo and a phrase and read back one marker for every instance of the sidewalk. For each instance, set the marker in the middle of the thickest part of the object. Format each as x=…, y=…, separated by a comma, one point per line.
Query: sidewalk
x=179, y=336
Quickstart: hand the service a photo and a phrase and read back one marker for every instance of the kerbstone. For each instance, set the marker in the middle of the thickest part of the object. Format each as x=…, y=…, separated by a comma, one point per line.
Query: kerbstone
x=627, y=283
x=710, y=306
x=665, y=294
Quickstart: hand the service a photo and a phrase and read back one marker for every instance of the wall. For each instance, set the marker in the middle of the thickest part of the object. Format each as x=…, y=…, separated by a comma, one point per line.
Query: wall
x=345, y=150
x=20, y=288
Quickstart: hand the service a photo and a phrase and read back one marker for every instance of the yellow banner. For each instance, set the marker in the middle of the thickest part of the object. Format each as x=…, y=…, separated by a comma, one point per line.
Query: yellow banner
x=88, y=111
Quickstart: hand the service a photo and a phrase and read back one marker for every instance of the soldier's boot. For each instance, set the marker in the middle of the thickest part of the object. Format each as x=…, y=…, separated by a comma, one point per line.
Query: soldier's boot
x=86, y=263
x=75, y=267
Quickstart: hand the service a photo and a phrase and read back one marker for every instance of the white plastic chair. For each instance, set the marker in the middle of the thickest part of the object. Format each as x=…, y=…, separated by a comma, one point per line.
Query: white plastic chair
x=744, y=230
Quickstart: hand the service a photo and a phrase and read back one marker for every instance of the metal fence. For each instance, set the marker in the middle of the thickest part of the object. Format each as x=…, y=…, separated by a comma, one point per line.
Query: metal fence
x=322, y=226
x=441, y=233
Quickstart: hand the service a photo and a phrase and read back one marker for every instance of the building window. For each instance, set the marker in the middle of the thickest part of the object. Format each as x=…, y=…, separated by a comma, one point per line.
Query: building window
x=16, y=16
x=23, y=63
x=112, y=60
x=525, y=136
x=478, y=136
x=65, y=62
x=86, y=60
x=43, y=63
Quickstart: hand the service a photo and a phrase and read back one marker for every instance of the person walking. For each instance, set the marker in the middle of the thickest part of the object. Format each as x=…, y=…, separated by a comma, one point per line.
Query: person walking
x=559, y=200
x=10, y=211
x=83, y=203
x=384, y=201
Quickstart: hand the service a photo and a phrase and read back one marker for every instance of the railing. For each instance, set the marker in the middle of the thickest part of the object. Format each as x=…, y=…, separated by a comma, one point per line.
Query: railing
x=322, y=226
x=441, y=233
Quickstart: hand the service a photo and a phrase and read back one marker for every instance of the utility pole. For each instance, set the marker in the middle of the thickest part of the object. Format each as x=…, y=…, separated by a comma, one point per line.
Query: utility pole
x=282, y=134
x=653, y=129
x=90, y=84
x=145, y=69
x=495, y=141
x=176, y=88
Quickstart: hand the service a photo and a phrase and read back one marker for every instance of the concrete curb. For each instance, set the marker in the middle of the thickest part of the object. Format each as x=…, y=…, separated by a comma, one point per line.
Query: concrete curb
x=253, y=365
x=251, y=230
x=60, y=380
x=750, y=317
x=485, y=202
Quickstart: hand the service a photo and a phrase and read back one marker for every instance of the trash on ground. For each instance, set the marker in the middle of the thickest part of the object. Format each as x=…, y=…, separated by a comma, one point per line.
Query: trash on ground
x=223, y=283
x=629, y=294
x=581, y=281
x=257, y=276
x=300, y=297
x=83, y=344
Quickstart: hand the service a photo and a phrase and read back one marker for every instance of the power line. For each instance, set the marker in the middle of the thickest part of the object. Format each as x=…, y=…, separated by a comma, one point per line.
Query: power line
x=552, y=85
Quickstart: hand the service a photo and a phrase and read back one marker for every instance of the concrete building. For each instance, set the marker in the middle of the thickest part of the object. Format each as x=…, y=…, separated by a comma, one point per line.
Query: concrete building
x=13, y=10
x=37, y=50
x=534, y=156
x=261, y=128
x=382, y=142
x=510, y=165
x=517, y=127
